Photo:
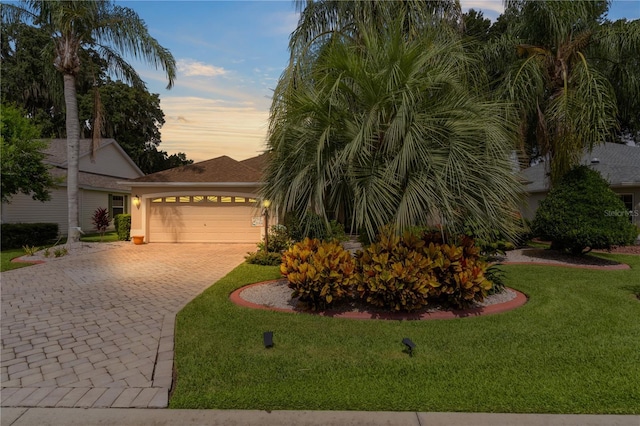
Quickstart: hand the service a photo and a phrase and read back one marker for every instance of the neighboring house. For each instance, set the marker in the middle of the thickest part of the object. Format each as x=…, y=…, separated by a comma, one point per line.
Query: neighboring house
x=97, y=181
x=211, y=201
x=618, y=164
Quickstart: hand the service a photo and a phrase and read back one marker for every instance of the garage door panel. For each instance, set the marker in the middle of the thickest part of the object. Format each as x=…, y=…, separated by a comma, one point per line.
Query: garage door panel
x=198, y=223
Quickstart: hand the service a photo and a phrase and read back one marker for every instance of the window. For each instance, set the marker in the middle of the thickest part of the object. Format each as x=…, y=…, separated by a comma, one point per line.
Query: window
x=184, y=199
x=225, y=199
x=117, y=205
x=239, y=199
x=627, y=199
x=212, y=198
x=198, y=198
x=169, y=199
x=156, y=200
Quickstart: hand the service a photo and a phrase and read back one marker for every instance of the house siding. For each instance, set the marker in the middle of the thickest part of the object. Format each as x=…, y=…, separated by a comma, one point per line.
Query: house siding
x=23, y=209
x=109, y=163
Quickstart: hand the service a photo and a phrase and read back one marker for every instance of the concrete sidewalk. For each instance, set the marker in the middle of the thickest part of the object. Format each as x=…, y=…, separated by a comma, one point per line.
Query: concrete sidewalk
x=162, y=417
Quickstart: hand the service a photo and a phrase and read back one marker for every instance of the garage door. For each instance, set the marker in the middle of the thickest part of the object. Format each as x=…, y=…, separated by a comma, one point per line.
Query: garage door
x=215, y=219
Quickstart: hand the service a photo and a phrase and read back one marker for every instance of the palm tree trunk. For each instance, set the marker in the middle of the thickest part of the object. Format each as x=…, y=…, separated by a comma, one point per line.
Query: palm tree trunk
x=73, y=149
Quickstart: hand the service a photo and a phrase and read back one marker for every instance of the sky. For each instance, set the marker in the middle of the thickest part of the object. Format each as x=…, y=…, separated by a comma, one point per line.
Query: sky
x=230, y=55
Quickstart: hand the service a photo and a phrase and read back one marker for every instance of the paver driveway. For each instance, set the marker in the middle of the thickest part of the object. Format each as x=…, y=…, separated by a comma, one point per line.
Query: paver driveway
x=95, y=329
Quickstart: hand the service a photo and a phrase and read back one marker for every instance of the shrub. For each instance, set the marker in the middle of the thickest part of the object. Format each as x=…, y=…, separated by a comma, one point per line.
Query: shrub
x=123, y=226
x=320, y=273
x=583, y=213
x=313, y=226
x=460, y=273
x=395, y=273
x=17, y=235
x=100, y=220
x=408, y=272
x=279, y=240
x=264, y=258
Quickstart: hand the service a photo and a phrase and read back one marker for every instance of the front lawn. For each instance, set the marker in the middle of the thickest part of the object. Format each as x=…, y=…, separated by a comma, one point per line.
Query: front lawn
x=573, y=348
x=7, y=255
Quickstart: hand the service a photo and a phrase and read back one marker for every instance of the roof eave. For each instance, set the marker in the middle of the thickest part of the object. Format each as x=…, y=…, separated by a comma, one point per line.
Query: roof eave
x=192, y=184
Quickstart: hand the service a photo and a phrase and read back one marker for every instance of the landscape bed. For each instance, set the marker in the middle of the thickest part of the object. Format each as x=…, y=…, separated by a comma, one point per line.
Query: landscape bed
x=571, y=349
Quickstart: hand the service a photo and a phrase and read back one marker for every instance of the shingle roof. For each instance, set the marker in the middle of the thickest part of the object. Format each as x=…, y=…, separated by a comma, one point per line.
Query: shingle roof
x=258, y=163
x=91, y=180
x=619, y=164
x=216, y=170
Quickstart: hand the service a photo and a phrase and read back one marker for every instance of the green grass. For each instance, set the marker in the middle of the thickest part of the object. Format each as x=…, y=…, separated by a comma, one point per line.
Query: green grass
x=108, y=237
x=5, y=259
x=573, y=348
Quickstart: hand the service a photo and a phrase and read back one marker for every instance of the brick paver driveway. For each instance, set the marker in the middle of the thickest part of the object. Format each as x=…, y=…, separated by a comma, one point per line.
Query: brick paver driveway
x=95, y=329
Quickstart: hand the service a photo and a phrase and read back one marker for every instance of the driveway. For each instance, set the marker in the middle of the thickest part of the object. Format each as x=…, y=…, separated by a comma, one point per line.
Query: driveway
x=95, y=328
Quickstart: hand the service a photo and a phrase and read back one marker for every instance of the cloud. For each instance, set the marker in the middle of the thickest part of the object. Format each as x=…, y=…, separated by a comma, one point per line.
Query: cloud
x=491, y=8
x=206, y=128
x=282, y=22
x=190, y=68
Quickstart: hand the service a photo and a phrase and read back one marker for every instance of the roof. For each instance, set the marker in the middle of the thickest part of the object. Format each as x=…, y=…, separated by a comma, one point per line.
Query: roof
x=217, y=170
x=258, y=163
x=56, y=151
x=618, y=164
x=91, y=181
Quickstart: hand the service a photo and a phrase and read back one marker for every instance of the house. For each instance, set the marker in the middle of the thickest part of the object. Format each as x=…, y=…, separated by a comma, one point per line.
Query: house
x=213, y=201
x=97, y=182
x=619, y=164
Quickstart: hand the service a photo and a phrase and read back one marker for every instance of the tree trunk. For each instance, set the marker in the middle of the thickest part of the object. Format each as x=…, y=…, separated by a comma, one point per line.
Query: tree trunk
x=73, y=150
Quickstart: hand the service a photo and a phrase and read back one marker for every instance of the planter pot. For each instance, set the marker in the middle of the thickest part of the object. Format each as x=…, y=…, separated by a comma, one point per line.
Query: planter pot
x=138, y=239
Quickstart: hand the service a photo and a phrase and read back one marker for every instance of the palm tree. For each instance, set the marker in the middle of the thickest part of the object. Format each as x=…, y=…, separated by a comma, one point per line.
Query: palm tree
x=559, y=84
x=110, y=30
x=391, y=128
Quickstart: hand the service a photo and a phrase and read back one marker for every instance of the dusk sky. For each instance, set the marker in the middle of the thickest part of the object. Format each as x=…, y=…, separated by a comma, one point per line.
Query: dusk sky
x=230, y=55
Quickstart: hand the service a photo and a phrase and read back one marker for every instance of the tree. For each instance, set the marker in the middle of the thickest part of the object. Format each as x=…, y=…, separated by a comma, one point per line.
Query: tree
x=583, y=213
x=565, y=100
x=391, y=127
x=109, y=30
x=23, y=170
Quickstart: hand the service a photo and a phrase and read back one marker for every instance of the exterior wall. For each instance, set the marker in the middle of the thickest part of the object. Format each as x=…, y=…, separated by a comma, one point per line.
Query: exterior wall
x=635, y=192
x=110, y=162
x=23, y=209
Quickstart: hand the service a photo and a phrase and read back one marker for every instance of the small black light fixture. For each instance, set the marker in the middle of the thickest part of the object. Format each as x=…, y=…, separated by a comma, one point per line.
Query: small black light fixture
x=409, y=344
x=267, y=338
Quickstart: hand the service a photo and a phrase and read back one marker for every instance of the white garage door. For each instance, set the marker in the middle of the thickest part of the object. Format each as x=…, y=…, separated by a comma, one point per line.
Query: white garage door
x=214, y=219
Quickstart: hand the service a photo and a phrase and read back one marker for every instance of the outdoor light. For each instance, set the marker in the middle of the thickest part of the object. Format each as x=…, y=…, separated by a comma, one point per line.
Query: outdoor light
x=267, y=337
x=266, y=204
x=136, y=201
x=409, y=344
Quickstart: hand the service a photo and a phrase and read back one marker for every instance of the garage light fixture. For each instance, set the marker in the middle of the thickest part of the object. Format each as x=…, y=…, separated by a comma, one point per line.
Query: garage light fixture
x=136, y=201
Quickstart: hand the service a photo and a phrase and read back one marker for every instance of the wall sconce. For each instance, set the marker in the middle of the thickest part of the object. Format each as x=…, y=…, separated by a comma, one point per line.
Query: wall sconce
x=136, y=201
x=410, y=346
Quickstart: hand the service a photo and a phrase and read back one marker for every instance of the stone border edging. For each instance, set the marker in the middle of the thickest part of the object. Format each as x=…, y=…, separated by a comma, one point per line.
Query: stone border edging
x=621, y=266
x=519, y=300
x=21, y=260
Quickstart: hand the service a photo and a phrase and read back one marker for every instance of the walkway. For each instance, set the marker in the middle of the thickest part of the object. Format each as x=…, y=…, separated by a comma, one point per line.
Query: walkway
x=96, y=328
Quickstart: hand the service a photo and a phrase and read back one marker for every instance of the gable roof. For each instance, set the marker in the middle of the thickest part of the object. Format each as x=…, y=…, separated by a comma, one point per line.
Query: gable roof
x=217, y=170
x=56, y=151
x=618, y=164
x=258, y=163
